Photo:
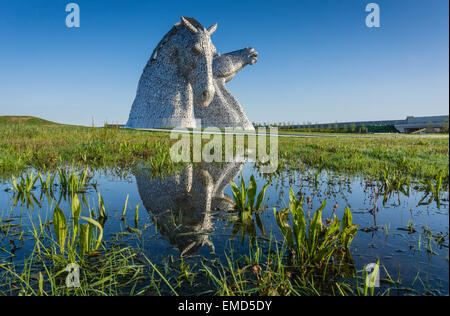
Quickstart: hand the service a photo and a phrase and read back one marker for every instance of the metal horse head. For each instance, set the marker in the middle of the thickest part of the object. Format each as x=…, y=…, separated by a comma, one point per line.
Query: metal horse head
x=195, y=59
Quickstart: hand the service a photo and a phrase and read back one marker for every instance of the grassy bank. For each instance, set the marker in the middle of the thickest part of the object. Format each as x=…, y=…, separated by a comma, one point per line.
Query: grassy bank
x=417, y=157
x=26, y=144
x=31, y=142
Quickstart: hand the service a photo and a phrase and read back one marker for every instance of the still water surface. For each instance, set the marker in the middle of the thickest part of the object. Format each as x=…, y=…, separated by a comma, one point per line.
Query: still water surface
x=190, y=213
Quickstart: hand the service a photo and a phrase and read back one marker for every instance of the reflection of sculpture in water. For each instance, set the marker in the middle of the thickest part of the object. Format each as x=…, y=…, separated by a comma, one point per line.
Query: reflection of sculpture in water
x=182, y=203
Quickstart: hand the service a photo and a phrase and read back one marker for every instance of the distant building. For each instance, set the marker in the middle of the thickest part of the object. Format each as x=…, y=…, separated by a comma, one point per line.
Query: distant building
x=427, y=123
x=410, y=125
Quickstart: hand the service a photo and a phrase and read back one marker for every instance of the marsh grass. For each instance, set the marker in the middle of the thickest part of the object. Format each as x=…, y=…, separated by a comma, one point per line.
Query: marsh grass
x=415, y=157
x=75, y=235
x=433, y=190
x=245, y=198
x=46, y=147
x=71, y=236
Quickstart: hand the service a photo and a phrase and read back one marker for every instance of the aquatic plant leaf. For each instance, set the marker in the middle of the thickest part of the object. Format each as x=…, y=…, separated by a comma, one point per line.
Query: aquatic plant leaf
x=60, y=227
x=245, y=198
x=83, y=179
x=243, y=191
x=251, y=192
x=76, y=212
x=237, y=196
x=260, y=198
x=282, y=221
x=33, y=181
x=125, y=208
x=41, y=284
x=299, y=221
x=315, y=228
x=136, y=216
x=292, y=197
x=100, y=229
x=347, y=235
x=347, y=219
x=101, y=207
x=334, y=228
x=348, y=229
x=15, y=184
x=323, y=254
x=84, y=240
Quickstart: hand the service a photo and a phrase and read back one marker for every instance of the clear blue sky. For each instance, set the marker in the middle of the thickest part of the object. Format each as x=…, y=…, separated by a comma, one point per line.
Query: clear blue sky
x=318, y=60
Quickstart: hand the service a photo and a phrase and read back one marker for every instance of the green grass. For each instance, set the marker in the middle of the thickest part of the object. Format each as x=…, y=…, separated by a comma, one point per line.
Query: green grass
x=47, y=146
x=416, y=157
x=35, y=143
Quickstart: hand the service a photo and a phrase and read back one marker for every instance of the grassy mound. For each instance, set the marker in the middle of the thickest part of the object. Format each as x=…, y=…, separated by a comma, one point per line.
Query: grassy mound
x=25, y=120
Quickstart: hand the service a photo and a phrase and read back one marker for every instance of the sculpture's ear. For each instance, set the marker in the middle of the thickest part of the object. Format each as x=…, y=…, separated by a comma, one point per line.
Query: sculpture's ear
x=189, y=25
x=212, y=29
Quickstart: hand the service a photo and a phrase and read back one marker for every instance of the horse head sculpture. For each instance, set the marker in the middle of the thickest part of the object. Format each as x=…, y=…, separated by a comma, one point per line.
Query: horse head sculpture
x=195, y=59
x=185, y=76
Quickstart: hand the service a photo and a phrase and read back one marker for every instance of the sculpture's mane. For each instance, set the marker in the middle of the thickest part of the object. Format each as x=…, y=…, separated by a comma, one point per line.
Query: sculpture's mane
x=174, y=30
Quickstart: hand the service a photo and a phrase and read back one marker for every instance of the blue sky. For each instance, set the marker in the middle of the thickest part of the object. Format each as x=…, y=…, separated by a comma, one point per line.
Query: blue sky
x=318, y=60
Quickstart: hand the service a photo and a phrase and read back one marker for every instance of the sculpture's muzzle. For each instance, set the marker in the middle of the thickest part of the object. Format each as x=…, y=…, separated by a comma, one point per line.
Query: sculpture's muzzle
x=206, y=96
